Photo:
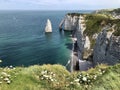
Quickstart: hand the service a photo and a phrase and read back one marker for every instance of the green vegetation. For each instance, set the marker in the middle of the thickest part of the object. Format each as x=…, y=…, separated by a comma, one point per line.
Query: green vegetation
x=74, y=14
x=56, y=77
x=94, y=23
x=117, y=27
x=108, y=11
x=117, y=11
x=112, y=21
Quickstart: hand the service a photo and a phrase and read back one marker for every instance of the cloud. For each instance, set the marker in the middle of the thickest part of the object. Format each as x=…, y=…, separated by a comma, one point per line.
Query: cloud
x=59, y=4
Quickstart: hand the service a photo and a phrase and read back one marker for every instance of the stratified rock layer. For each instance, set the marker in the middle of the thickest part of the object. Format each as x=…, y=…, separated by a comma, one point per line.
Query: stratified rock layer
x=107, y=48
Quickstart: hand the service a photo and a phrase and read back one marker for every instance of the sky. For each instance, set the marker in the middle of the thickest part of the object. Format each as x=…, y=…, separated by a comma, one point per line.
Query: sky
x=58, y=4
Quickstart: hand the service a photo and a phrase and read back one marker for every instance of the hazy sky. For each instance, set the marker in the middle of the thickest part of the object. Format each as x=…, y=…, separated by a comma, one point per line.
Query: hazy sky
x=58, y=4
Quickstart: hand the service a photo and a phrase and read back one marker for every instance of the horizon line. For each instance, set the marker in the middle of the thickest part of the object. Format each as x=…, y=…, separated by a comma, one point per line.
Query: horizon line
x=54, y=9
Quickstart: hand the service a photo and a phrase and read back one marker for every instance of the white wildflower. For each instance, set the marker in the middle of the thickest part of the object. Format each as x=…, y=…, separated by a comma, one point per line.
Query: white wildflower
x=95, y=76
x=8, y=82
x=71, y=82
x=8, y=75
x=46, y=76
x=0, y=61
x=52, y=80
x=53, y=74
x=50, y=77
x=84, y=79
x=103, y=71
x=77, y=80
x=45, y=71
x=88, y=80
x=11, y=66
x=6, y=79
x=0, y=82
x=42, y=78
x=1, y=77
x=99, y=70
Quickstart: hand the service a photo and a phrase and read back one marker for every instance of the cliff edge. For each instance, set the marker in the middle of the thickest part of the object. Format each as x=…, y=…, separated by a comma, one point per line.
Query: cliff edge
x=98, y=36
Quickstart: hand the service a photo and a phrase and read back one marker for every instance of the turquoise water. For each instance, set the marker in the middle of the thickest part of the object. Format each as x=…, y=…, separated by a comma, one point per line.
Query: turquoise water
x=23, y=41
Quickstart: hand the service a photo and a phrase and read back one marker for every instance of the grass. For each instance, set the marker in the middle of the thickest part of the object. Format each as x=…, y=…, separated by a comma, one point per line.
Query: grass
x=109, y=11
x=56, y=77
x=74, y=14
x=110, y=80
x=95, y=23
x=111, y=20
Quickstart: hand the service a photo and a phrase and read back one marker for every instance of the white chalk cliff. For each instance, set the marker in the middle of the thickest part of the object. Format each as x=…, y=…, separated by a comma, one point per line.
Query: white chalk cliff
x=87, y=43
x=107, y=47
x=48, y=27
x=76, y=24
x=69, y=22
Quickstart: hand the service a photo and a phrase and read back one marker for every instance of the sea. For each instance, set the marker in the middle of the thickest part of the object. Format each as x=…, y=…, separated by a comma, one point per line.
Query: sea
x=23, y=41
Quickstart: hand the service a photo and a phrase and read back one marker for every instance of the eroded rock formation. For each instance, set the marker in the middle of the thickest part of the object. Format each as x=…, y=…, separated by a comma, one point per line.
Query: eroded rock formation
x=48, y=27
x=70, y=23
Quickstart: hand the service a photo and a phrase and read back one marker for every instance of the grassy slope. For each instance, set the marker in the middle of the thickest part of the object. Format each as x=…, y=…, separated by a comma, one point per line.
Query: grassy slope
x=95, y=22
x=109, y=14
x=56, y=77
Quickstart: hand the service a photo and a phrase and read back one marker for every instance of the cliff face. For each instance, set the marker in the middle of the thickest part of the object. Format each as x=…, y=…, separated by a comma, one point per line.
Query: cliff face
x=100, y=46
x=82, y=40
x=107, y=48
x=76, y=23
x=69, y=22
